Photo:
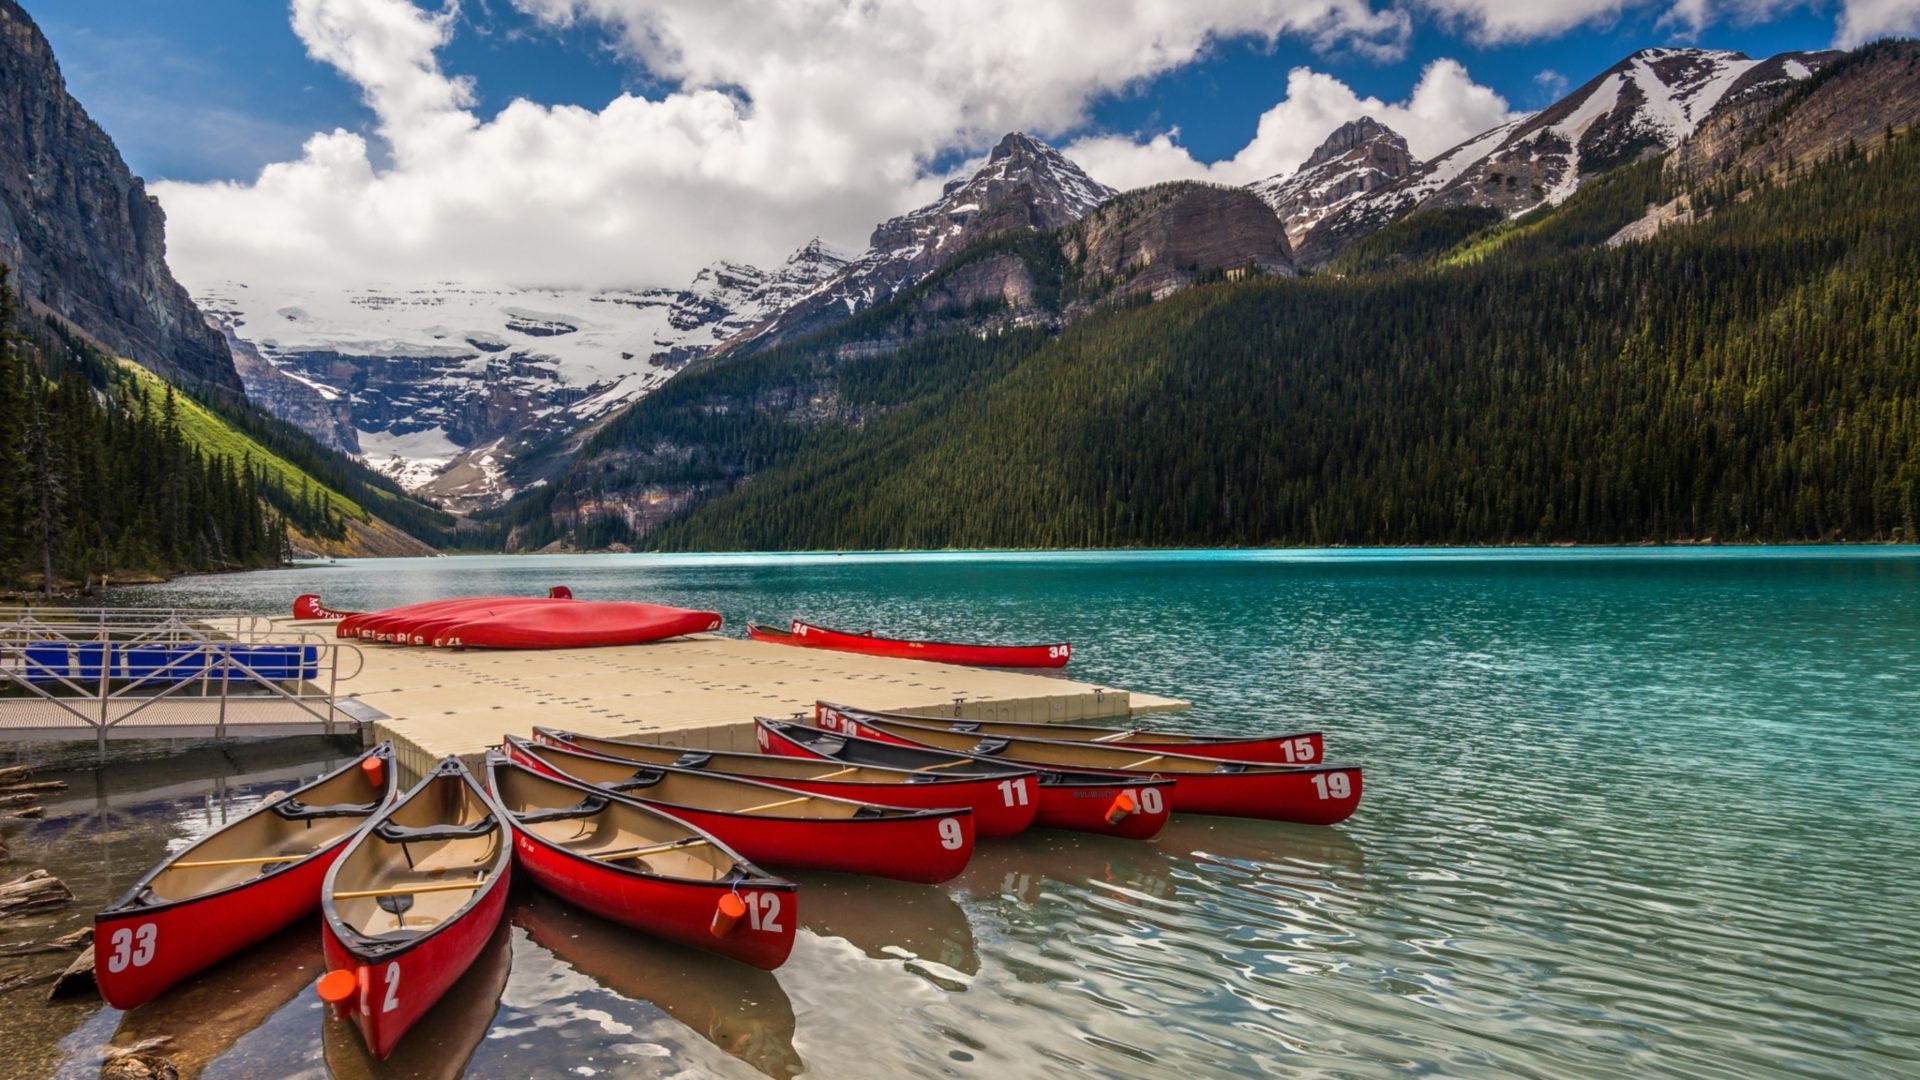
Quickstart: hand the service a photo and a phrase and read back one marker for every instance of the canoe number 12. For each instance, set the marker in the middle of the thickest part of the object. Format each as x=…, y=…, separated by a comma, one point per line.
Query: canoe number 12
x=132, y=947
x=763, y=911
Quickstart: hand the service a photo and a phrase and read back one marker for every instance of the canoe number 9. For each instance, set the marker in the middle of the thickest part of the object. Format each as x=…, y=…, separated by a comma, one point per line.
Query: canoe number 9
x=1147, y=799
x=763, y=911
x=392, y=1001
x=1333, y=785
x=1014, y=792
x=950, y=836
x=132, y=947
x=1298, y=750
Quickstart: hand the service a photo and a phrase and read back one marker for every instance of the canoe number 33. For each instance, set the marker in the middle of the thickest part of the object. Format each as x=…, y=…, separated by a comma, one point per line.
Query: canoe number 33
x=132, y=947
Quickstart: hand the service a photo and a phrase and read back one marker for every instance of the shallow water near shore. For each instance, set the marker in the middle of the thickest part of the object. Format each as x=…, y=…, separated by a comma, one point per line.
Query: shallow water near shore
x=1628, y=812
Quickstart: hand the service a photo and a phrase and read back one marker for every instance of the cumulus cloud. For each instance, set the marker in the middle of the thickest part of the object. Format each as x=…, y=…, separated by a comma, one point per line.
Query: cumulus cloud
x=780, y=121
x=1445, y=108
x=1862, y=21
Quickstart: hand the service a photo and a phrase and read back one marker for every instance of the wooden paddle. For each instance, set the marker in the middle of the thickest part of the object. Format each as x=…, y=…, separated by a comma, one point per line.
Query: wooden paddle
x=689, y=842
x=197, y=863
x=1143, y=761
x=1118, y=736
x=774, y=805
x=945, y=765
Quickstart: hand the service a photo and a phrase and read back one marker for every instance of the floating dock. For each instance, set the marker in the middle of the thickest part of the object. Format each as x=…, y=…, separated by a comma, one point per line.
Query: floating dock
x=701, y=691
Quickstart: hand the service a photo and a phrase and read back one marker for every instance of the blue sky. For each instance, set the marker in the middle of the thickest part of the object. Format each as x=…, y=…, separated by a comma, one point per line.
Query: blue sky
x=631, y=142
x=215, y=89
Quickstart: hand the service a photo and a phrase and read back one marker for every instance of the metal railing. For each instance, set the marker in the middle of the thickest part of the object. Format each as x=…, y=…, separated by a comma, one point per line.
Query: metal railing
x=99, y=669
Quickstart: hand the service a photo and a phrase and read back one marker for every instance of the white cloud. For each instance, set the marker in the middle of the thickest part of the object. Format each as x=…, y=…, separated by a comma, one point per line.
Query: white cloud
x=1862, y=21
x=785, y=120
x=1502, y=21
x=1444, y=108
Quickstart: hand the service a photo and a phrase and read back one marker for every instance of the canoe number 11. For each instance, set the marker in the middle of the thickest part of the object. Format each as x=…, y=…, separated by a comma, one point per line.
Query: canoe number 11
x=132, y=947
x=1014, y=792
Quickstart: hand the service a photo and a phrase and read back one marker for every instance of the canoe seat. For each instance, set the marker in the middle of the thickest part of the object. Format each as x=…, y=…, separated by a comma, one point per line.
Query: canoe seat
x=693, y=759
x=586, y=807
x=988, y=747
x=868, y=810
x=965, y=727
x=395, y=833
x=295, y=810
x=641, y=778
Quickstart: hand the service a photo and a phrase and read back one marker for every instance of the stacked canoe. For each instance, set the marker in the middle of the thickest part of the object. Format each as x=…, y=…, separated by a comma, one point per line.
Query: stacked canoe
x=555, y=621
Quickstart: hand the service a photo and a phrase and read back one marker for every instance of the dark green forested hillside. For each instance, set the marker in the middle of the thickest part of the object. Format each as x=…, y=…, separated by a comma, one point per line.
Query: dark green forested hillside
x=1752, y=377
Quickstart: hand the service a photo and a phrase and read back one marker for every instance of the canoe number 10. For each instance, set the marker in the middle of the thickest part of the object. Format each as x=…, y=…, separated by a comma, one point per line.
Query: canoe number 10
x=1333, y=785
x=1014, y=792
x=950, y=836
x=132, y=947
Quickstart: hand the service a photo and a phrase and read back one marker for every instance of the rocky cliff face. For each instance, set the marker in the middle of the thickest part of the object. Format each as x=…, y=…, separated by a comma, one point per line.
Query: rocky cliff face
x=84, y=238
x=1360, y=156
x=1159, y=239
x=1025, y=185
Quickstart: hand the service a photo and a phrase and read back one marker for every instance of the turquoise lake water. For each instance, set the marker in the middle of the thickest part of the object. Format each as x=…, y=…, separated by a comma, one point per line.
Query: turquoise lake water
x=1628, y=812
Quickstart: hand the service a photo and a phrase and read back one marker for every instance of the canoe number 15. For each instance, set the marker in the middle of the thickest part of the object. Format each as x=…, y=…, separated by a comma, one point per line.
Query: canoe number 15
x=1298, y=750
x=1332, y=785
x=132, y=947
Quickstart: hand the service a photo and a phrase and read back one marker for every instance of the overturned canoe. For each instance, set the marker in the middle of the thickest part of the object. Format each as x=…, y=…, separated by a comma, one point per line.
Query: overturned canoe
x=1307, y=794
x=411, y=903
x=1001, y=807
x=945, y=652
x=778, y=826
x=575, y=624
x=237, y=885
x=1083, y=801
x=642, y=867
x=308, y=606
x=388, y=624
x=1296, y=748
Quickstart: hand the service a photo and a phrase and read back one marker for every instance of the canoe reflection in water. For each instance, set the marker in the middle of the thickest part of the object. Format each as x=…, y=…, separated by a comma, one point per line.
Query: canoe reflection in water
x=739, y=1008
x=1019, y=867
x=439, y=1046
x=891, y=920
x=206, y=1015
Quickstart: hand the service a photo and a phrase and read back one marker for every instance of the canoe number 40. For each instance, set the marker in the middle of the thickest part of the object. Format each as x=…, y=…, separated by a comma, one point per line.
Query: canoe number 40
x=1147, y=799
x=1298, y=750
x=1014, y=792
x=132, y=947
x=1333, y=785
x=950, y=835
x=763, y=911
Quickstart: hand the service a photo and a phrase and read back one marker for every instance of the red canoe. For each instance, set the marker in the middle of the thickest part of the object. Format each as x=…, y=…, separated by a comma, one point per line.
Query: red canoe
x=810, y=832
x=1298, y=748
x=576, y=624
x=235, y=886
x=380, y=625
x=1000, y=807
x=412, y=901
x=1307, y=794
x=1077, y=800
x=642, y=867
x=945, y=652
x=308, y=606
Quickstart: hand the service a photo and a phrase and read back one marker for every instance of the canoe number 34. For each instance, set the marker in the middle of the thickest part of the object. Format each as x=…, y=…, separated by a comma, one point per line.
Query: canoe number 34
x=132, y=947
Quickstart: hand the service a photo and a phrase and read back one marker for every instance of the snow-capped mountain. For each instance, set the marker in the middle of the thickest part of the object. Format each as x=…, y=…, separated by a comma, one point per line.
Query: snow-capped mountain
x=442, y=382
x=1025, y=184
x=1644, y=105
x=1360, y=156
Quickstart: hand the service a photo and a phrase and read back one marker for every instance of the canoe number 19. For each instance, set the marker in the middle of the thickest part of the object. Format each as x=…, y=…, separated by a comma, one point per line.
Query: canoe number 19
x=763, y=911
x=1298, y=750
x=950, y=835
x=132, y=947
x=1014, y=792
x=1333, y=785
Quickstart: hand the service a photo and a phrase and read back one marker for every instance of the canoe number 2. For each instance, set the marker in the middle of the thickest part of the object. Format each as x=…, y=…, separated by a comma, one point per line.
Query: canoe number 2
x=763, y=911
x=1014, y=792
x=132, y=947
x=950, y=835
x=1332, y=785
x=392, y=1001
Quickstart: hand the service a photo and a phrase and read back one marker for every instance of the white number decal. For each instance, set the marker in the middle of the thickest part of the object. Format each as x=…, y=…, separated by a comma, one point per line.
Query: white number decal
x=763, y=911
x=1298, y=750
x=393, y=988
x=950, y=836
x=1333, y=785
x=760, y=736
x=1014, y=792
x=132, y=947
x=1055, y=652
x=1150, y=802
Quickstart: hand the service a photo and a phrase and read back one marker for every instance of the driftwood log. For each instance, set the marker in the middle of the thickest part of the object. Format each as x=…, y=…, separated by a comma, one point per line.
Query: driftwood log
x=34, y=892
x=14, y=774
x=24, y=799
x=77, y=979
x=138, y=1062
x=63, y=943
x=40, y=785
x=31, y=813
